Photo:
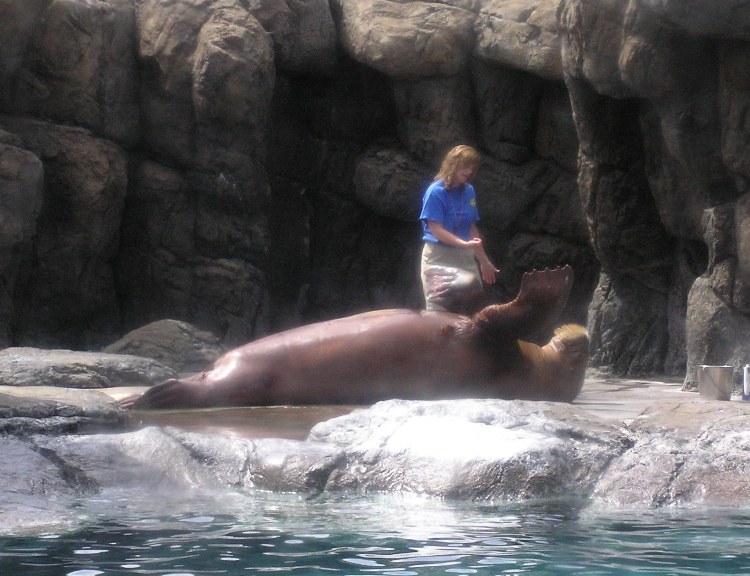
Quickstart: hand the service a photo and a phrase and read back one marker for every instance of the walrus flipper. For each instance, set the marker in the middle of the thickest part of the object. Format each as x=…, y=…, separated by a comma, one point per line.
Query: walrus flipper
x=456, y=290
x=541, y=298
x=172, y=393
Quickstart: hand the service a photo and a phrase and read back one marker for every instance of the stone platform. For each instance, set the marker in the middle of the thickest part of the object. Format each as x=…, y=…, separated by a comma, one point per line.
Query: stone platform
x=610, y=398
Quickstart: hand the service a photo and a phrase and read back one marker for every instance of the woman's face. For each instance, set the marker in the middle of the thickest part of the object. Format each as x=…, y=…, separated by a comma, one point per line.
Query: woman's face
x=464, y=173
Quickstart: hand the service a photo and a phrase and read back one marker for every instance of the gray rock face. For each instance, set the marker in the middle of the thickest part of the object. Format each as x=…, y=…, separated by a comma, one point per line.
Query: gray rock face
x=79, y=67
x=214, y=101
x=674, y=159
x=67, y=290
x=68, y=369
x=277, y=152
x=21, y=194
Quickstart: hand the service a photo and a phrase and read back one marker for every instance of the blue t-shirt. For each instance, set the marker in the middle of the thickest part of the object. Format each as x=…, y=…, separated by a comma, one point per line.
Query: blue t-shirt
x=455, y=209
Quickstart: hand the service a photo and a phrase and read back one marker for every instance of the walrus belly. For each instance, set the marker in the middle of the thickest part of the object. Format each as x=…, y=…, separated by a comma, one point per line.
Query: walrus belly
x=359, y=359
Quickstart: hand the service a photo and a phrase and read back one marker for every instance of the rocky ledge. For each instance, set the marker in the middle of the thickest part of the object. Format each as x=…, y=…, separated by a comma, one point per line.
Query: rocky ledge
x=671, y=448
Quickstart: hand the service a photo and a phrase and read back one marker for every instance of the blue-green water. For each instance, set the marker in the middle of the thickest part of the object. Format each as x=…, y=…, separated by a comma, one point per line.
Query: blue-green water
x=377, y=535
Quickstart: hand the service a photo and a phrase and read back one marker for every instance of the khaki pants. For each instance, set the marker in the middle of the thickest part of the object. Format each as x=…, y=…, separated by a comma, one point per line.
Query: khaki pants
x=447, y=256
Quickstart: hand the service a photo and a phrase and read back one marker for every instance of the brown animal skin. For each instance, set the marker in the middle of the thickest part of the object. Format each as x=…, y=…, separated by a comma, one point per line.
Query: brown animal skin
x=405, y=354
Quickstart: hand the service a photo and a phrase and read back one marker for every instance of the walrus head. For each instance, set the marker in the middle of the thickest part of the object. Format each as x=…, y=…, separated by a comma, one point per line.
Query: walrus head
x=573, y=340
x=568, y=353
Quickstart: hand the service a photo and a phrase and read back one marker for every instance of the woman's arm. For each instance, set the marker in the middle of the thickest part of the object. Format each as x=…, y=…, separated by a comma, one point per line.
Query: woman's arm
x=439, y=232
x=485, y=265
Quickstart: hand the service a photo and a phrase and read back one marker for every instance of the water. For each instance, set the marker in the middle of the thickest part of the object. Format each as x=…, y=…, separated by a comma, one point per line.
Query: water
x=259, y=533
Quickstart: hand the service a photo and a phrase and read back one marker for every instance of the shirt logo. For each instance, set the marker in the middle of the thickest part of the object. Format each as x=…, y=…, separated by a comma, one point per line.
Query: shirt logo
x=473, y=202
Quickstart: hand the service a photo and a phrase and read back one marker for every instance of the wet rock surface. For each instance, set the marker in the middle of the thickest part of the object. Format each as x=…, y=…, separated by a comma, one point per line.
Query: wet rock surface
x=49, y=410
x=473, y=449
x=684, y=453
x=622, y=443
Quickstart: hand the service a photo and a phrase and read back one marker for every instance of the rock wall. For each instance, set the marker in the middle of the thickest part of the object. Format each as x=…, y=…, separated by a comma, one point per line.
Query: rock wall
x=247, y=165
x=658, y=91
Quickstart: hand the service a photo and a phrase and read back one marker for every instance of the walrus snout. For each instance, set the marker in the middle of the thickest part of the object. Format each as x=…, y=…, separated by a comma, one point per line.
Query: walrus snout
x=455, y=290
x=572, y=342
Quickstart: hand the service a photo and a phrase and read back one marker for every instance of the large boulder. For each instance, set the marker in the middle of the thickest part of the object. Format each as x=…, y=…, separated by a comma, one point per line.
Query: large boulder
x=28, y=478
x=521, y=34
x=685, y=454
x=471, y=449
x=176, y=344
x=463, y=450
x=438, y=37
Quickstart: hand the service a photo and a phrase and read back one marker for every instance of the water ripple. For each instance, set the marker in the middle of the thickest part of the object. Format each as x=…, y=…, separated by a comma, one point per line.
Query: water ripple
x=283, y=534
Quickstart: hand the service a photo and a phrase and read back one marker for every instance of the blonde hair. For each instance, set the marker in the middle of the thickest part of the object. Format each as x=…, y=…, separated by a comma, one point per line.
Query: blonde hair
x=456, y=158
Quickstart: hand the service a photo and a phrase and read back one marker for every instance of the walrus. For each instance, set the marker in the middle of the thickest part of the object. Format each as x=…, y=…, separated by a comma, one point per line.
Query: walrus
x=407, y=354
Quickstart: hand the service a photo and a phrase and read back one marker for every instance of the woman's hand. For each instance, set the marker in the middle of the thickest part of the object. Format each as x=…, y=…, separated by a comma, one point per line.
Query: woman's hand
x=474, y=243
x=488, y=271
x=486, y=267
x=439, y=232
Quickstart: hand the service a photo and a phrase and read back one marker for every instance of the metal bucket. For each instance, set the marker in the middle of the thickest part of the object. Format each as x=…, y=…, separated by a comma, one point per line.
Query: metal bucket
x=715, y=382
